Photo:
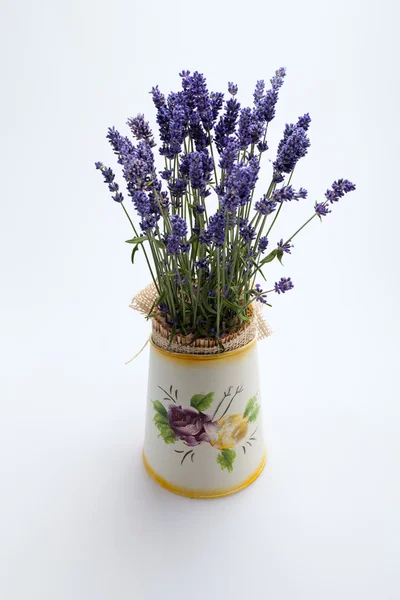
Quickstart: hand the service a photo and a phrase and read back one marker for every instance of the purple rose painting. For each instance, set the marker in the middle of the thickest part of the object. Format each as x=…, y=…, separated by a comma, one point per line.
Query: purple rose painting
x=189, y=425
x=192, y=426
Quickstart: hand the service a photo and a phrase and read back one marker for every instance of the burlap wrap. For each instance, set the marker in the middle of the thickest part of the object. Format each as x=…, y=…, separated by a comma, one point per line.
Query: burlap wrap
x=256, y=327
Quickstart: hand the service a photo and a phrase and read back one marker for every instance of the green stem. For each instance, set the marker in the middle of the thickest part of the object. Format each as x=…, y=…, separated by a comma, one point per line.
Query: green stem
x=302, y=227
x=218, y=292
x=212, y=154
x=143, y=248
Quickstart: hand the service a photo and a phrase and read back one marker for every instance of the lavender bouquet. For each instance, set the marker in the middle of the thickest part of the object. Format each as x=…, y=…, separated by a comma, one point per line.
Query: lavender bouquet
x=204, y=235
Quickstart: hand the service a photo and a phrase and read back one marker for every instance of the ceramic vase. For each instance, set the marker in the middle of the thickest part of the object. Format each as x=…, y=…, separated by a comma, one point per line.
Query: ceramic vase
x=204, y=435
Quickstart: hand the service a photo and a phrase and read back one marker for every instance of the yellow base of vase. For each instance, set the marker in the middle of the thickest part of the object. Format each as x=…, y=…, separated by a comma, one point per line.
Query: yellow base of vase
x=199, y=494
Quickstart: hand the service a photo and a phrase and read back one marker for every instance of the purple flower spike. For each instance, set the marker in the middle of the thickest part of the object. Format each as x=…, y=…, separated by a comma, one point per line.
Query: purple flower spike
x=291, y=148
x=232, y=88
x=109, y=177
x=283, y=285
x=247, y=231
x=263, y=244
x=285, y=247
x=172, y=244
x=265, y=206
x=339, y=189
x=141, y=129
x=322, y=209
x=259, y=294
x=287, y=194
x=215, y=232
x=179, y=226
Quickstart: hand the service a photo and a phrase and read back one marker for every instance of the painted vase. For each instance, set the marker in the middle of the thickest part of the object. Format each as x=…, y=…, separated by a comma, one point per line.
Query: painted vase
x=204, y=434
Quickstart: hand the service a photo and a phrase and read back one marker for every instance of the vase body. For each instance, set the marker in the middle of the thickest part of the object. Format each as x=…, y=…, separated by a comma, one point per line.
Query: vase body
x=204, y=435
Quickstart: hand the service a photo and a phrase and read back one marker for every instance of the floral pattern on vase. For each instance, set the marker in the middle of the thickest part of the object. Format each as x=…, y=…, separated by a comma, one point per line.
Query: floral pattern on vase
x=192, y=426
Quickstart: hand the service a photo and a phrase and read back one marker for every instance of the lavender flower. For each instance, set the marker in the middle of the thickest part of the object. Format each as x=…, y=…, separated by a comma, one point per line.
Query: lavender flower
x=259, y=294
x=197, y=97
x=141, y=202
x=240, y=184
x=217, y=100
x=284, y=247
x=176, y=125
x=232, y=88
x=322, y=209
x=164, y=201
x=179, y=226
x=177, y=187
x=121, y=145
x=199, y=209
x=287, y=193
x=227, y=123
x=262, y=147
x=251, y=128
x=283, y=285
x=290, y=150
x=137, y=163
x=166, y=174
x=247, y=231
x=172, y=244
x=148, y=223
x=259, y=91
x=244, y=128
x=339, y=189
x=109, y=177
x=184, y=247
x=304, y=121
x=263, y=244
x=265, y=105
x=265, y=206
x=197, y=132
x=158, y=97
x=141, y=129
x=229, y=154
x=198, y=166
x=202, y=263
x=163, y=118
x=278, y=177
x=215, y=232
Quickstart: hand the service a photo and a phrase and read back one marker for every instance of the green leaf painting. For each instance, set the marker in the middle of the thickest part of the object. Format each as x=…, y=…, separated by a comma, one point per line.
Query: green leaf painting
x=254, y=414
x=202, y=401
x=160, y=408
x=226, y=459
x=252, y=409
x=249, y=406
x=161, y=422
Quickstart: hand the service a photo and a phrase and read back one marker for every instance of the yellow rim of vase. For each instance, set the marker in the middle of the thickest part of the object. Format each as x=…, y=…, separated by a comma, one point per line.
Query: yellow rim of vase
x=219, y=356
x=181, y=491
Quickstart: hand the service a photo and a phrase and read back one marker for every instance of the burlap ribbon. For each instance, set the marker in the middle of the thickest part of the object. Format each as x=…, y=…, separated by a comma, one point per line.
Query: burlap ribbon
x=255, y=327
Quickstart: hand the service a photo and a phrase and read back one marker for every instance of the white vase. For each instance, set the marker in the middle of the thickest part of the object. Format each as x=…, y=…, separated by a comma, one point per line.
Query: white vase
x=204, y=435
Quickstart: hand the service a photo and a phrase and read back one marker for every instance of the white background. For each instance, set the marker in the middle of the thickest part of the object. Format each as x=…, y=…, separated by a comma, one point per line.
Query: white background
x=79, y=518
